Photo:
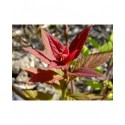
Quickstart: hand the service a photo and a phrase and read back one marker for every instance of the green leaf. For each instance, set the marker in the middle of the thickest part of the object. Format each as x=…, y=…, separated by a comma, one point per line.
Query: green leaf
x=110, y=86
x=111, y=37
x=73, y=62
x=106, y=47
x=36, y=95
x=86, y=96
x=108, y=83
x=85, y=51
x=99, y=69
x=95, y=85
x=109, y=96
x=93, y=42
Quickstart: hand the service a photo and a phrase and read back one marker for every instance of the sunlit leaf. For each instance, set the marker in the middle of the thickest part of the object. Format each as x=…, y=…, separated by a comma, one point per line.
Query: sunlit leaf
x=85, y=51
x=99, y=69
x=109, y=96
x=108, y=83
x=36, y=95
x=111, y=37
x=106, y=47
x=93, y=42
x=95, y=85
x=86, y=96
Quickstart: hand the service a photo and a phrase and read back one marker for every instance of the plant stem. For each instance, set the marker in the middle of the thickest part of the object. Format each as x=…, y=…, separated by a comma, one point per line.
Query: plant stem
x=64, y=84
x=63, y=93
x=72, y=87
x=66, y=34
x=19, y=93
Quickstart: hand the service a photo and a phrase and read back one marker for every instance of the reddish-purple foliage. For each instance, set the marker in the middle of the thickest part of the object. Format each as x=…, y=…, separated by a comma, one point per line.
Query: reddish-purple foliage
x=56, y=54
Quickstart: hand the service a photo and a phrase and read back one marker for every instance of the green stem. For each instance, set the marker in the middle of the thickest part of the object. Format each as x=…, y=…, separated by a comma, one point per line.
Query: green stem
x=72, y=87
x=64, y=93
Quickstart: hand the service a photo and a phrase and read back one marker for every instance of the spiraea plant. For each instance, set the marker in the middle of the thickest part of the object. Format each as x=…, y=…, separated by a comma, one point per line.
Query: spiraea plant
x=64, y=65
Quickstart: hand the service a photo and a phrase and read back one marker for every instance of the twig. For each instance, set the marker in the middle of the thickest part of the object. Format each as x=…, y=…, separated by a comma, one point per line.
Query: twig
x=72, y=87
x=66, y=34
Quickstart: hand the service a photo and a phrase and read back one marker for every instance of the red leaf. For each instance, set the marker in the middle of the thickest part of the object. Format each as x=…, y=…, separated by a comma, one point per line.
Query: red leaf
x=39, y=54
x=47, y=44
x=31, y=71
x=57, y=65
x=43, y=76
x=70, y=57
x=86, y=72
x=56, y=54
x=45, y=55
x=79, y=41
x=56, y=46
x=66, y=51
x=64, y=55
x=40, y=75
